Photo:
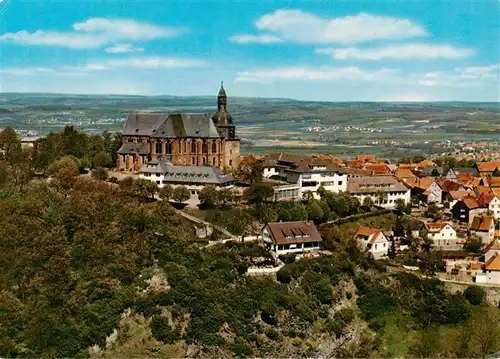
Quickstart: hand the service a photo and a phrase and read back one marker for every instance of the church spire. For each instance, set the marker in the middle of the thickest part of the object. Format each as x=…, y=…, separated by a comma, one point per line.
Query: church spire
x=222, y=97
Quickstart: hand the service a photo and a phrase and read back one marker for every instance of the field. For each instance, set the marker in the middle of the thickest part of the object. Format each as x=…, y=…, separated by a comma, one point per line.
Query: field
x=267, y=125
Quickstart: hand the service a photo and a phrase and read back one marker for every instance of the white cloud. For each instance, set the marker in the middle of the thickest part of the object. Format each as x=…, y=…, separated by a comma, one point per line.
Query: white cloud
x=463, y=76
x=399, y=52
x=92, y=34
x=257, y=39
x=313, y=74
x=304, y=27
x=107, y=65
x=123, y=48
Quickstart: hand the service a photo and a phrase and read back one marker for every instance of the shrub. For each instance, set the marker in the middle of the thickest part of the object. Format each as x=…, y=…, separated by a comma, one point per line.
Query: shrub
x=457, y=309
x=284, y=275
x=162, y=330
x=287, y=258
x=474, y=294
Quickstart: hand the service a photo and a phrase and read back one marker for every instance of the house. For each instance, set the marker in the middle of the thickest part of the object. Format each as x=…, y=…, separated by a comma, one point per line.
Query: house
x=425, y=163
x=447, y=186
x=303, y=173
x=494, y=207
x=441, y=234
x=404, y=174
x=484, y=228
x=434, y=193
x=453, y=196
x=291, y=237
x=374, y=240
x=466, y=209
x=487, y=168
x=491, y=271
x=379, y=169
x=163, y=172
x=383, y=190
x=492, y=248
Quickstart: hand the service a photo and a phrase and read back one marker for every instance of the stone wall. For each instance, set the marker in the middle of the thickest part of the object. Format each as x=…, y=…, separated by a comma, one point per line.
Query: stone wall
x=492, y=293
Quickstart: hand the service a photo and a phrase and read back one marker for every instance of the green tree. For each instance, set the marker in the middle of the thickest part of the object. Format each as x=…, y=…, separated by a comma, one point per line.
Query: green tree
x=102, y=159
x=307, y=196
x=428, y=344
x=391, y=253
x=10, y=145
x=314, y=211
x=100, y=173
x=166, y=192
x=368, y=202
x=208, y=196
x=298, y=212
x=474, y=294
x=473, y=244
x=250, y=171
x=259, y=193
x=181, y=194
x=400, y=205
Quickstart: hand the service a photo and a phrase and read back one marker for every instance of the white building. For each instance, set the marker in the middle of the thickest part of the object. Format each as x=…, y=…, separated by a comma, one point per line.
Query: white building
x=491, y=271
x=494, y=207
x=162, y=172
x=441, y=234
x=375, y=187
x=291, y=237
x=374, y=240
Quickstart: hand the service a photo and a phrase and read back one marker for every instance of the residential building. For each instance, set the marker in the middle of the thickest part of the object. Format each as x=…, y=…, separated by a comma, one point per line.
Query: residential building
x=484, y=228
x=374, y=240
x=303, y=174
x=188, y=139
x=442, y=234
x=466, y=209
x=492, y=248
x=291, y=237
x=162, y=172
x=494, y=207
x=487, y=168
x=491, y=271
x=383, y=190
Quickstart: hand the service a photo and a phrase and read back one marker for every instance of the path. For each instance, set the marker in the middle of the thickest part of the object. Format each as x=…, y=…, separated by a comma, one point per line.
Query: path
x=200, y=221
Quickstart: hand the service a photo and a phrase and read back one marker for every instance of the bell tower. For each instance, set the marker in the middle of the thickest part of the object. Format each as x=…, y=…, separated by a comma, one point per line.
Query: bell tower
x=221, y=118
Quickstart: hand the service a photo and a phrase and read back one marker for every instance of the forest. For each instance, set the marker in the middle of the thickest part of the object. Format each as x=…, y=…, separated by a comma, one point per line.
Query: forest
x=94, y=269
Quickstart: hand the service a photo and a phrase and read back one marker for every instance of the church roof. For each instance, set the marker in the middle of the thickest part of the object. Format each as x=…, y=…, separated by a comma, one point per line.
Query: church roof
x=178, y=125
x=131, y=148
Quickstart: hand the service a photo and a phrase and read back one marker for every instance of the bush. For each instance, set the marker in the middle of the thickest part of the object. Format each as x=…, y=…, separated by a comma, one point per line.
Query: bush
x=284, y=275
x=457, y=309
x=474, y=294
x=287, y=258
x=100, y=174
x=162, y=330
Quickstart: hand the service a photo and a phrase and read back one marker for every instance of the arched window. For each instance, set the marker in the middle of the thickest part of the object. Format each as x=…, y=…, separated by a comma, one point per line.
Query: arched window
x=193, y=146
x=230, y=162
x=214, y=147
x=168, y=146
x=203, y=161
x=204, y=147
x=158, y=147
x=213, y=161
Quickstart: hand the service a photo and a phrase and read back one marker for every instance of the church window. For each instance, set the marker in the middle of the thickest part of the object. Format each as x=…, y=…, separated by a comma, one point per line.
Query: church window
x=159, y=147
x=192, y=161
x=230, y=162
x=203, y=161
x=168, y=146
x=193, y=147
x=214, y=147
x=213, y=161
x=204, y=147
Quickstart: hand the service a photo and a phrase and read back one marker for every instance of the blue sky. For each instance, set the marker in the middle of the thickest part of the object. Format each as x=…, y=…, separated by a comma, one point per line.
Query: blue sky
x=364, y=50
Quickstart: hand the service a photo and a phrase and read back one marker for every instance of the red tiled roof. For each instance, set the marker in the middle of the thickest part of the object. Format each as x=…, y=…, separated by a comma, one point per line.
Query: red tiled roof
x=458, y=195
x=379, y=169
x=404, y=173
x=488, y=166
x=435, y=227
x=493, y=245
x=470, y=202
x=494, y=181
x=425, y=182
x=485, y=199
x=356, y=164
x=366, y=158
x=482, y=223
x=447, y=185
x=425, y=163
x=493, y=263
x=371, y=233
x=465, y=177
x=483, y=189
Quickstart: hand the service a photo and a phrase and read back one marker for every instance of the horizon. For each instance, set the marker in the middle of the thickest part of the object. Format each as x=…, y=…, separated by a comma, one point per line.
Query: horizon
x=244, y=97
x=322, y=51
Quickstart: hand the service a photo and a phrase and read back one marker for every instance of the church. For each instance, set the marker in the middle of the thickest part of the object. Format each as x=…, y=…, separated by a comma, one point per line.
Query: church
x=188, y=139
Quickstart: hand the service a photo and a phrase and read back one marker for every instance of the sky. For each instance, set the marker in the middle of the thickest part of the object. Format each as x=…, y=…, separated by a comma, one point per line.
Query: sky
x=337, y=50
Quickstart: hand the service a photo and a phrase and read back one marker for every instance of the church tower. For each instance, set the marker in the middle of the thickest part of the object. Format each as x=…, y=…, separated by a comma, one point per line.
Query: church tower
x=222, y=119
